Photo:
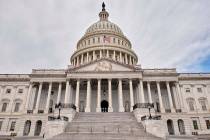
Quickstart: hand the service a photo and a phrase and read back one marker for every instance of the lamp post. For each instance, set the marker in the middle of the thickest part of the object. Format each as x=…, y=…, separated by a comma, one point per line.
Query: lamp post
x=59, y=110
x=150, y=116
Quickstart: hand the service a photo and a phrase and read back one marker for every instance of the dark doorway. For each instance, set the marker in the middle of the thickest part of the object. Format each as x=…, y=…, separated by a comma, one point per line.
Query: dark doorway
x=104, y=106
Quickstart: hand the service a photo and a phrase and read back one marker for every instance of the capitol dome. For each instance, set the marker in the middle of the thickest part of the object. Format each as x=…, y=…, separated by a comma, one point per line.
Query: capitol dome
x=103, y=40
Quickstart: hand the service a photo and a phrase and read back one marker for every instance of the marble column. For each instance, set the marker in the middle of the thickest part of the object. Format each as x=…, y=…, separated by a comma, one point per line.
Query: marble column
x=48, y=98
x=107, y=53
x=98, y=108
x=28, y=97
x=170, y=97
x=141, y=91
x=87, y=57
x=94, y=55
x=110, y=109
x=77, y=60
x=82, y=59
x=100, y=53
x=120, y=56
x=130, y=60
x=131, y=94
x=149, y=92
x=126, y=58
x=120, y=96
x=59, y=92
x=114, y=55
x=162, y=109
x=38, y=97
x=67, y=93
x=77, y=95
x=88, y=97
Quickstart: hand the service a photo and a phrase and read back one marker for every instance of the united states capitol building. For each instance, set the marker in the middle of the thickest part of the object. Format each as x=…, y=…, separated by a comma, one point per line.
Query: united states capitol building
x=105, y=94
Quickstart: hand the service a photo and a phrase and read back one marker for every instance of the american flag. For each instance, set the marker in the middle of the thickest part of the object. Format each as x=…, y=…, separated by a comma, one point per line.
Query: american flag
x=106, y=39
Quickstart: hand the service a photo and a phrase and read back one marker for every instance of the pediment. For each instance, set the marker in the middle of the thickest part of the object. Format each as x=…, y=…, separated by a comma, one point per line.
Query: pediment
x=104, y=65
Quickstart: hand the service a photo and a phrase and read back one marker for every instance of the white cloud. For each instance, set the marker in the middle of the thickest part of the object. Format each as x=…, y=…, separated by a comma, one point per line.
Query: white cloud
x=43, y=34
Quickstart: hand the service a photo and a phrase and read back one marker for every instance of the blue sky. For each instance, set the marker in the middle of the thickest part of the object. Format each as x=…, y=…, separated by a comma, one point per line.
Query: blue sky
x=164, y=34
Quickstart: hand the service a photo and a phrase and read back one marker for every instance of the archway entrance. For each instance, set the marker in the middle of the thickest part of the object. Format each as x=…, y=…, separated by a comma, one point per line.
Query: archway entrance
x=170, y=127
x=104, y=106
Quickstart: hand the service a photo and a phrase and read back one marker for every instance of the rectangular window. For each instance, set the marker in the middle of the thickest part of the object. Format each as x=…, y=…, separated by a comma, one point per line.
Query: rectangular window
x=113, y=40
x=98, y=39
x=1, y=122
x=4, y=107
x=207, y=124
x=199, y=90
x=20, y=91
x=12, y=127
x=17, y=107
x=8, y=91
x=187, y=90
x=195, y=124
x=203, y=105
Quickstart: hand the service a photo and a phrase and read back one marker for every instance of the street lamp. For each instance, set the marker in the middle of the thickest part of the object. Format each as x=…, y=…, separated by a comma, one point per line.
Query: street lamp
x=150, y=116
x=59, y=110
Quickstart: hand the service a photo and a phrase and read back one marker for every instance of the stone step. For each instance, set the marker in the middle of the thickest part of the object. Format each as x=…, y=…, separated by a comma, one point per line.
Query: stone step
x=104, y=126
x=102, y=136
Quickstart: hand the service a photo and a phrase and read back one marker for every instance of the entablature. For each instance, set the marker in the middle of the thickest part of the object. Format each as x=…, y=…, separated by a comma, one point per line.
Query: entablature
x=105, y=75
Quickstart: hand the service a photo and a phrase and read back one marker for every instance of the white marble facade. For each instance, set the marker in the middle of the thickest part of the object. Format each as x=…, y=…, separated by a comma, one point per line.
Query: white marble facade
x=104, y=76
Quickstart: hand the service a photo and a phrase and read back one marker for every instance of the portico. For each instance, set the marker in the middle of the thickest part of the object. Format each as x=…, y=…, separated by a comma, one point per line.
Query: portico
x=120, y=89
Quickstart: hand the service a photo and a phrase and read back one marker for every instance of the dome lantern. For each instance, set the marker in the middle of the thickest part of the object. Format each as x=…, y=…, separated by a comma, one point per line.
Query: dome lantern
x=103, y=14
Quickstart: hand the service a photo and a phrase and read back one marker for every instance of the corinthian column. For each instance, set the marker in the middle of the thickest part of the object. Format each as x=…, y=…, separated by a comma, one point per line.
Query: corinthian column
x=48, y=98
x=149, y=92
x=38, y=97
x=131, y=94
x=110, y=95
x=120, y=97
x=170, y=97
x=87, y=108
x=59, y=93
x=162, y=109
x=67, y=93
x=28, y=97
x=98, y=108
x=77, y=95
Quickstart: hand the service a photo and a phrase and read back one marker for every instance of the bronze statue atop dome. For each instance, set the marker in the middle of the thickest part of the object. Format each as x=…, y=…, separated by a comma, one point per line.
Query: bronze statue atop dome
x=103, y=6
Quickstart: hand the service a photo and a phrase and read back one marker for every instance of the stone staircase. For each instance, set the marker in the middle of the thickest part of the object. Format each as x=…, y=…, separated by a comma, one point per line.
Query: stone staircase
x=104, y=126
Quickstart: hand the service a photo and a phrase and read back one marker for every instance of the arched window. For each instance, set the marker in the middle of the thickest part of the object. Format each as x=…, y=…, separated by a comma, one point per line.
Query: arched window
x=191, y=104
x=5, y=103
x=181, y=127
x=203, y=103
x=27, y=128
x=38, y=128
x=170, y=126
x=17, y=105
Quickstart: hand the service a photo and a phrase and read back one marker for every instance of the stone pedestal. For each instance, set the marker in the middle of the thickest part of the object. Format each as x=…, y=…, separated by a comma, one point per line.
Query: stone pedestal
x=155, y=127
x=67, y=112
x=54, y=128
x=140, y=112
